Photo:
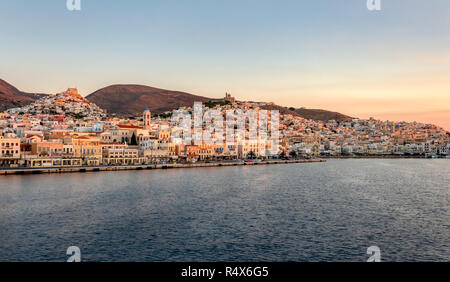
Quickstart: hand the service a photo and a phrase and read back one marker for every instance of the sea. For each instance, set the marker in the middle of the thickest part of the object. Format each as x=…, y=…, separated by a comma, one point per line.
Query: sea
x=332, y=211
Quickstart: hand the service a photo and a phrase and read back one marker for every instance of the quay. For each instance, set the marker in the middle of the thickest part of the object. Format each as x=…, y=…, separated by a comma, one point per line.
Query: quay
x=21, y=171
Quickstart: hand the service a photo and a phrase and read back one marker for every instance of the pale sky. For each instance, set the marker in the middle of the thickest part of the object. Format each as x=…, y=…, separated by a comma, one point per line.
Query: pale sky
x=331, y=54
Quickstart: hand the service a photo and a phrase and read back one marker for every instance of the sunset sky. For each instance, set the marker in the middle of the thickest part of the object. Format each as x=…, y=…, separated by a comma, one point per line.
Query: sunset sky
x=332, y=54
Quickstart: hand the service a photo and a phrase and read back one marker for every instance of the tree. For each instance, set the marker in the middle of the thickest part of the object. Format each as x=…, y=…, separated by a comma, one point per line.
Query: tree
x=133, y=141
x=166, y=115
x=293, y=154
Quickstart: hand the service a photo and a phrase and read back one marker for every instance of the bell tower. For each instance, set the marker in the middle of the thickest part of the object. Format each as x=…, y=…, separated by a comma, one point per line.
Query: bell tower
x=147, y=119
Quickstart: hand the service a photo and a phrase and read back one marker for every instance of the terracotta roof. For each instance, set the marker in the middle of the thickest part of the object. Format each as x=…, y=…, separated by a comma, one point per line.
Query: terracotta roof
x=33, y=135
x=128, y=126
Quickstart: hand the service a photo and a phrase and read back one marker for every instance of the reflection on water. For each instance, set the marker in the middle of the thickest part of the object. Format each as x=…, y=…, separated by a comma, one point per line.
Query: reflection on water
x=300, y=212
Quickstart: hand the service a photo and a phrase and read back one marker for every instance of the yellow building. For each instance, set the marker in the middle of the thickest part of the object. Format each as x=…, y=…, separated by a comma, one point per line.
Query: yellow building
x=9, y=151
x=88, y=148
x=9, y=148
x=121, y=156
x=205, y=151
x=47, y=148
x=53, y=162
x=164, y=135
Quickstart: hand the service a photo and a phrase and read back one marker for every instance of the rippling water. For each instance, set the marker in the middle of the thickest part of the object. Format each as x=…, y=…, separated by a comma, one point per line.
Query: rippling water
x=299, y=212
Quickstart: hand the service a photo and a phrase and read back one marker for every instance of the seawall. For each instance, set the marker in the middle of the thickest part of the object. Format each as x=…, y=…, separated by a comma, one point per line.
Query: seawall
x=22, y=171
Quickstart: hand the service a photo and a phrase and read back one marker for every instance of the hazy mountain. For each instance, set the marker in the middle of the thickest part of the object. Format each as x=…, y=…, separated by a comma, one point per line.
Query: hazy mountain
x=11, y=97
x=314, y=114
x=133, y=99
x=323, y=115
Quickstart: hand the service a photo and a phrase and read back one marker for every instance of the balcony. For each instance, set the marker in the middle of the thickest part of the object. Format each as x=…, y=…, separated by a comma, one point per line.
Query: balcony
x=9, y=156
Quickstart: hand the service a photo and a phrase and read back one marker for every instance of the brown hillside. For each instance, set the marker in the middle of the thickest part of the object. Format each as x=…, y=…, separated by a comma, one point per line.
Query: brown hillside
x=313, y=114
x=133, y=99
x=11, y=97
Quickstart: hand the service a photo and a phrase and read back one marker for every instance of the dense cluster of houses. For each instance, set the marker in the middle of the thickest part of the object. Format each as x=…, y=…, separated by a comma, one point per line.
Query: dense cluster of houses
x=66, y=130
x=360, y=137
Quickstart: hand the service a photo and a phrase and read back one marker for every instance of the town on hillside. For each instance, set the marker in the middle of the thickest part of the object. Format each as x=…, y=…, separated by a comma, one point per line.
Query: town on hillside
x=66, y=130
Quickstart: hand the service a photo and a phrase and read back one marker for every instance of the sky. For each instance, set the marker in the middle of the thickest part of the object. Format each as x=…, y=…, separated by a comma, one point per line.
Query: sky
x=392, y=64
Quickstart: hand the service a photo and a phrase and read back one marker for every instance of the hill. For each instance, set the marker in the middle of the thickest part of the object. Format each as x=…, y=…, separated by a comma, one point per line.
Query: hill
x=314, y=114
x=11, y=97
x=130, y=100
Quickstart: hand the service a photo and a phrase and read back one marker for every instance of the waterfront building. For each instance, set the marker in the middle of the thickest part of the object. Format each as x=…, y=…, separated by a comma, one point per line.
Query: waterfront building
x=46, y=148
x=205, y=152
x=121, y=156
x=9, y=151
x=41, y=162
x=192, y=152
x=88, y=148
x=9, y=148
